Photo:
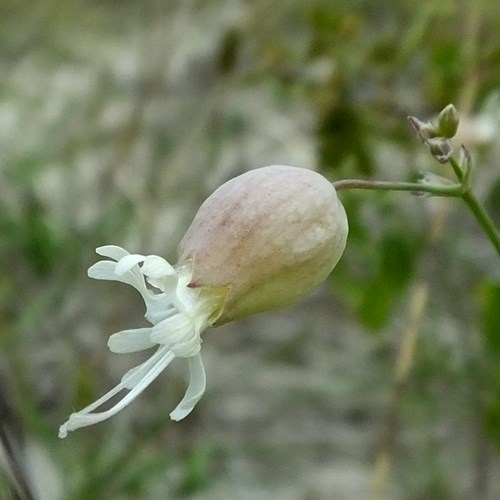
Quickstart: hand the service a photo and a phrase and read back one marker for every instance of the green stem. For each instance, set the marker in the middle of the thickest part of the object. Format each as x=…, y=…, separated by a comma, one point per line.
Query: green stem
x=452, y=190
x=457, y=169
x=483, y=218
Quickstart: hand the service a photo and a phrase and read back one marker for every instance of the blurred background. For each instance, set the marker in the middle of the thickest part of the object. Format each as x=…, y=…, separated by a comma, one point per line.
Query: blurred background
x=118, y=118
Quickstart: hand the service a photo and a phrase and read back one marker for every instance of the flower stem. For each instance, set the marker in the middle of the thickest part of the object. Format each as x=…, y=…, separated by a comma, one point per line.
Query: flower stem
x=457, y=169
x=450, y=190
x=483, y=218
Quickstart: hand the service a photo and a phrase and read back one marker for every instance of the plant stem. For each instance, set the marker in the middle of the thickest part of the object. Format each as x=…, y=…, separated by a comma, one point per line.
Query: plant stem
x=406, y=356
x=483, y=218
x=457, y=169
x=451, y=190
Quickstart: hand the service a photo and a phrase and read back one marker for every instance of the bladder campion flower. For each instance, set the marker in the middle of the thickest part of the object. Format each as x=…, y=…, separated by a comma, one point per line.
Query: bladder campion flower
x=262, y=240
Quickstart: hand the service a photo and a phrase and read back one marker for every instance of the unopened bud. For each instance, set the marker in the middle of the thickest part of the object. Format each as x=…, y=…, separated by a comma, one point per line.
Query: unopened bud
x=447, y=122
x=465, y=159
x=425, y=130
x=268, y=237
x=440, y=148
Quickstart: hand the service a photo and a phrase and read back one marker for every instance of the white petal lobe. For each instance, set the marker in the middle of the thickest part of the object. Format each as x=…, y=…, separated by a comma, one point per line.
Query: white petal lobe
x=195, y=390
x=128, y=262
x=102, y=270
x=156, y=267
x=177, y=313
x=130, y=341
x=112, y=251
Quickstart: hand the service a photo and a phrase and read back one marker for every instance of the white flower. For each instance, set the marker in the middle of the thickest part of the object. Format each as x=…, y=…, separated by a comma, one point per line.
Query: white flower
x=178, y=314
x=261, y=241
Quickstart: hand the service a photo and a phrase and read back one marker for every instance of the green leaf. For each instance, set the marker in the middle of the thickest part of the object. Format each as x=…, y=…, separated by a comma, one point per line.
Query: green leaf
x=493, y=201
x=395, y=269
x=491, y=317
x=490, y=323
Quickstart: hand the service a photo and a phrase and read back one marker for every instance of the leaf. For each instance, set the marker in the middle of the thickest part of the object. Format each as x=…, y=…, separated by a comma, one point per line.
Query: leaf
x=395, y=269
x=491, y=317
x=493, y=201
x=490, y=326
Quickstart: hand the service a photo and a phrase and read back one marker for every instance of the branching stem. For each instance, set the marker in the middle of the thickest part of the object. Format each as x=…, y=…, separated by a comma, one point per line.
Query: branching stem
x=451, y=190
x=483, y=218
x=458, y=190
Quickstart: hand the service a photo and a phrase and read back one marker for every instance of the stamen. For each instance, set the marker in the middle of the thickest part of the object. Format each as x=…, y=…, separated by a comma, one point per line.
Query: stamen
x=133, y=376
x=83, y=418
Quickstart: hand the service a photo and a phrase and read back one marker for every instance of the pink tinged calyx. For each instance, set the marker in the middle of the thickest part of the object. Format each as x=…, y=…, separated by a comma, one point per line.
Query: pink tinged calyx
x=268, y=237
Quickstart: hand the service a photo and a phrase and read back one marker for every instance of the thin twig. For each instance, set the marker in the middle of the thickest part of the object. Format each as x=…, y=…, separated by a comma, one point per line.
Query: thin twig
x=441, y=190
x=450, y=190
x=11, y=442
x=383, y=461
x=404, y=362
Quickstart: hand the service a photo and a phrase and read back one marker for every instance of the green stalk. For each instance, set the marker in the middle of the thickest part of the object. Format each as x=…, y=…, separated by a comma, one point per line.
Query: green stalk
x=483, y=218
x=451, y=190
x=457, y=169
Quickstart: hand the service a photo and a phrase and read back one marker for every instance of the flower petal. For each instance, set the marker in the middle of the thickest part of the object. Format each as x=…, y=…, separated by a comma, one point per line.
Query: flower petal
x=106, y=270
x=195, y=390
x=178, y=327
x=103, y=270
x=112, y=251
x=188, y=348
x=157, y=267
x=130, y=341
x=158, y=306
x=128, y=262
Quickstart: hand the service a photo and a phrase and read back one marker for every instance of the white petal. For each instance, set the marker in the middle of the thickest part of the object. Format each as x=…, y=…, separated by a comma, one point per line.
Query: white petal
x=195, y=390
x=130, y=341
x=128, y=262
x=157, y=267
x=112, y=251
x=136, y=374
x=187, y=349
x=103, y=270
x=106, y=270
x=103, y=399
x=83, y=418
x=158, y=308
x=167, y=284
x=70, y=425
x=177, y=328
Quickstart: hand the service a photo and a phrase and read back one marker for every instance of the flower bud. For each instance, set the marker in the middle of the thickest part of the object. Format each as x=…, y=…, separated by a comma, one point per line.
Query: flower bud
x=447, y=122
x=440, y=148
x=268, y=237
x=425, y=130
